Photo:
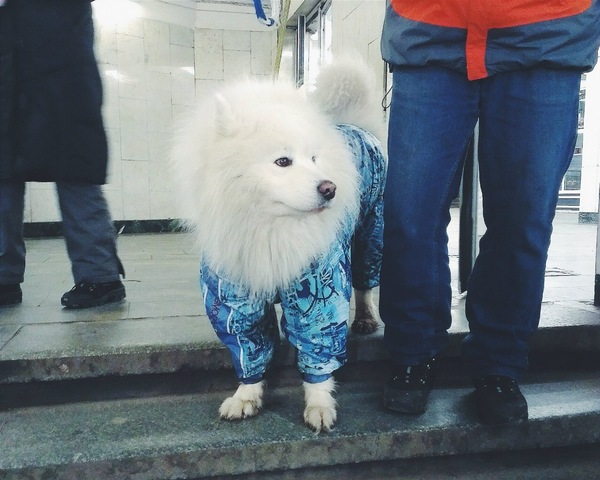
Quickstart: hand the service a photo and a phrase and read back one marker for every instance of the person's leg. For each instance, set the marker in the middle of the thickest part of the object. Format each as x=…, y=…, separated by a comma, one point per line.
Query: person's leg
x=91, y=244
x=12, y=246
x=528, y=129
x=433, y=114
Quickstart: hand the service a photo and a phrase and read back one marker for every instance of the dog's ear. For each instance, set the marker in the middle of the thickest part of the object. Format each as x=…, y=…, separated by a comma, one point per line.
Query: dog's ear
x=225, y=119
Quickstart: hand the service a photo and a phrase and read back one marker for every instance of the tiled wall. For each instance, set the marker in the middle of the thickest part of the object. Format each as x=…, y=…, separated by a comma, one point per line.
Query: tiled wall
x=357, y=27
x=225, y=55
x=152, y=71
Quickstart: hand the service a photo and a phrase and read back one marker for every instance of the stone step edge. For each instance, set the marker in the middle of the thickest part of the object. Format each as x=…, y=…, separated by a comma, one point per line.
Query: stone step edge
x=213, y=355
x=561, y=416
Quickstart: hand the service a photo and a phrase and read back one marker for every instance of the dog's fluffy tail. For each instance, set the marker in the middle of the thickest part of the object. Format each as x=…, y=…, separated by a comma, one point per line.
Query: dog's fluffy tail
x=345, y=91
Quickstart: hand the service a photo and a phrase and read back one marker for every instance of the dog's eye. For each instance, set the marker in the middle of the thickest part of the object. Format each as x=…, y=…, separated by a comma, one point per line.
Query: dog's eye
x=283, y=162
x=314, y=159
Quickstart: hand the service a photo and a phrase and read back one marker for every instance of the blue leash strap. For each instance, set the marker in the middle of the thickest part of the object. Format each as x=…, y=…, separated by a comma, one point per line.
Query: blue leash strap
x=260, y=14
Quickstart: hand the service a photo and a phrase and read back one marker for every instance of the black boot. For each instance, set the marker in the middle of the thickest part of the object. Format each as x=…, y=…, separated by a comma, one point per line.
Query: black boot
x=10, y=294
x=85, y=295
x=407, y=391
x=499, y=400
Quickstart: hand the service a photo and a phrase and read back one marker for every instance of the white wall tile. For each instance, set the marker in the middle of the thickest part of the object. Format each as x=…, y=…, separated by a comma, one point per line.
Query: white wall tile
x=44, y=204
x=158, y=84
x=157, y=46
x=110, y=87
x=236, y=65
x=263, y=44
x=136, y=194
x=134, y=144
x=159, y=176
x=181, y=36
x=133, y=27
x=131, y=66
x=179, y=112
x=159, y=114
x=27, y=210
x=159, y=147
x=208, y=50
x=105, y=43
x=182, y=57
x=134, y=129
x=161, y=205
x=236, y=40
x=114, y=199
x=183, y=88
x=113, y=177
x=206, y=87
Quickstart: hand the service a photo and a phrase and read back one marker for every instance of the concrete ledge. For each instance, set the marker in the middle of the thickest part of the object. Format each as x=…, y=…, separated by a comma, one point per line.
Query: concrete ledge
x=60, y=351
x=181, y=436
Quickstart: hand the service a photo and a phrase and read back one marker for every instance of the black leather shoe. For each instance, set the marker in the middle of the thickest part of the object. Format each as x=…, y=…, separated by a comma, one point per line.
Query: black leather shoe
x=499, y=400
x=407, y=391
x=85, y=295
x=10, y=295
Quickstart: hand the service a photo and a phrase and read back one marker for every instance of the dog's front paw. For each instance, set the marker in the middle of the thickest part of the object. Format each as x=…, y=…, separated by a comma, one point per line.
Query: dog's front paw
x=245, y=402
x=365, y=317
x=320, y=411
x=320, y=418
x=364, y=325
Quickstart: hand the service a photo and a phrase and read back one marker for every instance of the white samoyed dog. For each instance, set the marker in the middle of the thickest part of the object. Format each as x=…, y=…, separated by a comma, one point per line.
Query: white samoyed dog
x=267, y=183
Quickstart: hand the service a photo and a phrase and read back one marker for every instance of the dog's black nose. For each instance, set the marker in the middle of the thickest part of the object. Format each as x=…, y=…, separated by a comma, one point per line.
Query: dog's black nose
x=327, y=189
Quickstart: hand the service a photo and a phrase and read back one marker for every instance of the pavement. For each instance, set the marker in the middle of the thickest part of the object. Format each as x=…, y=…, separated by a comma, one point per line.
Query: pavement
x=164, y=303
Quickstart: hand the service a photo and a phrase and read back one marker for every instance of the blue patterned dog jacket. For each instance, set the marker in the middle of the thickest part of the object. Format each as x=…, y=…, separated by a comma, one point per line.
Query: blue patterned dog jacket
x=316, y=306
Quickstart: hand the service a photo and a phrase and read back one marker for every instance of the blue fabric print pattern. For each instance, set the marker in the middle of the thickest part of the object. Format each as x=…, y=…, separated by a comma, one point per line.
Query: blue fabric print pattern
x=316, y=307
x=367, y=246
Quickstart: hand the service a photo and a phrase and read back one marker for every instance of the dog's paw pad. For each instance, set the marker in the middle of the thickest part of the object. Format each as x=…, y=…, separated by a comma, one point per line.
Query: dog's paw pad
x=235, y=409
x=320, y=418
x=364, y=325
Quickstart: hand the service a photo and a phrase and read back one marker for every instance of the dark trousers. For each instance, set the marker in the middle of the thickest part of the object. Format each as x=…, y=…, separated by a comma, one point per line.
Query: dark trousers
x=87, y=227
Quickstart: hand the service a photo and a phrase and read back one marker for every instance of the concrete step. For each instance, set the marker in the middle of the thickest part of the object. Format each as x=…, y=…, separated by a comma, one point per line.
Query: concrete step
x=91, y=349
x=177, y=434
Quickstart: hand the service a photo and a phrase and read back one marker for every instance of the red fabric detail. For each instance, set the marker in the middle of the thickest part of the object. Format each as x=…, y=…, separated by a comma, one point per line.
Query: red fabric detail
x=479, y=16
x=476, y=41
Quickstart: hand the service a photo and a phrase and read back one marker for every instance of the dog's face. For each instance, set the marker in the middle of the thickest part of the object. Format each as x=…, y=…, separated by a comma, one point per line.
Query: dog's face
x=294, y=182
x=283, y=159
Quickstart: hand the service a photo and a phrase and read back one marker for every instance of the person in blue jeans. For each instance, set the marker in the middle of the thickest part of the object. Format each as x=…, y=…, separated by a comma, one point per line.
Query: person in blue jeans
x=514, y=67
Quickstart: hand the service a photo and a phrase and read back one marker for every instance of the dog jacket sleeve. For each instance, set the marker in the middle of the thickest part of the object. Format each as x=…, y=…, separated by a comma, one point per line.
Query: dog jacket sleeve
x=367, y=245
x=315, y=314
x=244, y=323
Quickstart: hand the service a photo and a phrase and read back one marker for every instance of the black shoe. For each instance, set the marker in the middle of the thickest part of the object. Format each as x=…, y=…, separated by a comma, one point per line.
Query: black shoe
x=85, y=295
x=499, y=400
x=10, y=295
x=408, y=389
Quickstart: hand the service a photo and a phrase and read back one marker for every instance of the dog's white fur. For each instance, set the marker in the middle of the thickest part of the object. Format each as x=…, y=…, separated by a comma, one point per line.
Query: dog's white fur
x=320, y=406
x=319, y=412
x=270, y=226
x=258, y=224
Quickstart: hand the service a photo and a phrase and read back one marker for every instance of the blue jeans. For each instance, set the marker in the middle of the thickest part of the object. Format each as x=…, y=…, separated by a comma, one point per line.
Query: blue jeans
x=527, y=132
